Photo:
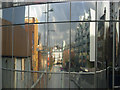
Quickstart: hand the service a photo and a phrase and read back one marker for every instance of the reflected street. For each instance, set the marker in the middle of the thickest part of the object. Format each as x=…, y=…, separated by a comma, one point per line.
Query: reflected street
x=60, y=44
x=59, y=80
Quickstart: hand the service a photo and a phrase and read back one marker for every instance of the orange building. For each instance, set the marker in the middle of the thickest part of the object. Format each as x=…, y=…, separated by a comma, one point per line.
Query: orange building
x=32, y=29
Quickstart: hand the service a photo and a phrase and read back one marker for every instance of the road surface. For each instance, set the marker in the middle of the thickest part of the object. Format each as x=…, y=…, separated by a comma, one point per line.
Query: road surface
x=59, y=80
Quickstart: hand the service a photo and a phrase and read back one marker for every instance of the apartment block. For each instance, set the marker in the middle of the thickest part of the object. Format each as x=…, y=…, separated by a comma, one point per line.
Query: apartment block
x=85, y=38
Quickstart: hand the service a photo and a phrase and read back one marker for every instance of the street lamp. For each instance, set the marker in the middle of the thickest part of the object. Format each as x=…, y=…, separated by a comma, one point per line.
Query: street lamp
x=49, y=35
x=49, y=42
x=47, y=13
x=51, y=10
x=48, y=10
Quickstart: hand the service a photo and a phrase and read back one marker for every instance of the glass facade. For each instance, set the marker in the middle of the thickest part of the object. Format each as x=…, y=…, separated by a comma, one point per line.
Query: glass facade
x=72, y=44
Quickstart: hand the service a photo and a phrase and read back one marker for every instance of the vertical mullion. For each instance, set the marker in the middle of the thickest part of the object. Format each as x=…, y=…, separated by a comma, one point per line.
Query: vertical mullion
x=40, y=79
x=70, y=45
x=95, y=63
x=28, y=46
x=113, y=62
x=44, y=46
x=17, y=80
x=47, y=41
x=113, y=73
x=12, y=45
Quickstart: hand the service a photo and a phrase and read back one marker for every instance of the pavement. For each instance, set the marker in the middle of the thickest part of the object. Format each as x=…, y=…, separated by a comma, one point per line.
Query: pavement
x=59, y=80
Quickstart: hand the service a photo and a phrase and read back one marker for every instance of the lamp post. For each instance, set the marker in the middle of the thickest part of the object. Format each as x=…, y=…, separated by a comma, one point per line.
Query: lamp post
x=47, y=12
x=49, y=35
x=49, y=47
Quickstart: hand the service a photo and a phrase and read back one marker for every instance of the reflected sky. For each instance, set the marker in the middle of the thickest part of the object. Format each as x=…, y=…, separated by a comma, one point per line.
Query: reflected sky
x=79, y=8
x=14, y=15
x=61, y=12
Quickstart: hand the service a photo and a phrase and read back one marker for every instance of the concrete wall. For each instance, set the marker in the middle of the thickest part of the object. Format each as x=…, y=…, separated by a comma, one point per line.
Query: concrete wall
x=16, y=79
x=7, y=76
x=23, y=79
x=28, y=76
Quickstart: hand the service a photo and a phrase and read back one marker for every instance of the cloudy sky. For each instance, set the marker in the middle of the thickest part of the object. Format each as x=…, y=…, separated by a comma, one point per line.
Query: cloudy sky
x=61, y=12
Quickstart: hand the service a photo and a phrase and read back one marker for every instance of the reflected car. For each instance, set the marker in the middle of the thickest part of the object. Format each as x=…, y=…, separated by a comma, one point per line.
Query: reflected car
x=61, y=68
x=83, y=69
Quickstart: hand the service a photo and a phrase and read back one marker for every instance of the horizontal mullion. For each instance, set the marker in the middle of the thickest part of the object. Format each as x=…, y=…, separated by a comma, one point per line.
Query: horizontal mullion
x=62, y=22
x=30, y=3
x=8, y=69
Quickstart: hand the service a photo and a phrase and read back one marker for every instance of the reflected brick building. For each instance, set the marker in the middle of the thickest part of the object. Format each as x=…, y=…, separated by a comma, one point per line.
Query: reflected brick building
x=23, y=40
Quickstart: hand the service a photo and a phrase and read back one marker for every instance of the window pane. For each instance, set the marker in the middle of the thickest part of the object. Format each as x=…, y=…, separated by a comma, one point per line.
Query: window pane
x=83, y=53
x=117, y=54
x=7, y=55
x=22, y=55
x=7, y=16
x=61, y=12
x=20, y=41
x=19, y=14
x=83, y=46
x=58, y=42
x=107, y=10
x=81, y=10
x=37, y=11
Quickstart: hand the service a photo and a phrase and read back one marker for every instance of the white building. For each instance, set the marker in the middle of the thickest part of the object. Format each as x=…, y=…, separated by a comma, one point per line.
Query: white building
x=57, y=54
x=92, y=34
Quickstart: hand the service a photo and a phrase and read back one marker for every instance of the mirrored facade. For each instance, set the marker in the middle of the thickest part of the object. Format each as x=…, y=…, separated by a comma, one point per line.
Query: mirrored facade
x=60, y=44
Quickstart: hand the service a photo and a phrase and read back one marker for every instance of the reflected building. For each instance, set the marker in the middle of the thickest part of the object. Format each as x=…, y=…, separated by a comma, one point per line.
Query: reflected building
x=34, y=44
x=19, y=47
x=105, y=34
x=101, y=41
x=15, y=54
x=57, y=54
x=22, y=48
x=85, y=39
x=33, y=40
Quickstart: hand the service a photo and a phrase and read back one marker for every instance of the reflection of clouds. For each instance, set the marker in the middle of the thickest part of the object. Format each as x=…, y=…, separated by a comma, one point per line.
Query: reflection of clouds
x=41, y=32
x=79, y=8
x=33, y=12
x=72, y=35
x=61, y=12
x=26, y=11
x=36, y=11
x=54, y=25
x=54, y=19
x=61, y=33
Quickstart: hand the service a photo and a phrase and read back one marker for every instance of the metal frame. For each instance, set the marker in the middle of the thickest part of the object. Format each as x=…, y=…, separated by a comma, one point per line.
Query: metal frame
x=57, y=22
x=95, y=63
x=31, y=3
x=12, y=46
x=70, y=45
